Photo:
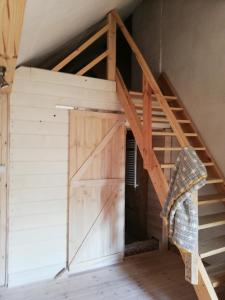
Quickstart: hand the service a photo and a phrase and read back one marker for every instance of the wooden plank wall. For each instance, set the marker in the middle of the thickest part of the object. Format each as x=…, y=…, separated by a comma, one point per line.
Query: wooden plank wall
x=3, y=183
x=39, y=167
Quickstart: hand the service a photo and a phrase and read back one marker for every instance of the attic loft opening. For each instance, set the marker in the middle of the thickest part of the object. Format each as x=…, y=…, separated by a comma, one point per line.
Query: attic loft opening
x=90, y=58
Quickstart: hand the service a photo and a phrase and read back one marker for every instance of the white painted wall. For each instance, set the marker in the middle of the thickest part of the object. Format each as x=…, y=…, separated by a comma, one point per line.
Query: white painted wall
x=190, y=37
x=50, y=24
x=38, y=167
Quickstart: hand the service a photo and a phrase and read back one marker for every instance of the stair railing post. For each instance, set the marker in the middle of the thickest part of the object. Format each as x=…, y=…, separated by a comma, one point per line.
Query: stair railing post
x=191, y=259
x=111, y=46
x=147, y=124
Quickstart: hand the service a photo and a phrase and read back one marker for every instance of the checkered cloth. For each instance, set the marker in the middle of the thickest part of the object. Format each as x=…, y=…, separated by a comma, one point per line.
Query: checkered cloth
x=179, y=209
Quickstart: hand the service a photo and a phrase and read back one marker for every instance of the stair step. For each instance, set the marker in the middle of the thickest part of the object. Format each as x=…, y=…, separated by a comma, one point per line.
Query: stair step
x=168, y=166
x=214, y=180
x=210, y=221
x=184, y=121
x=136, y=94
x=155, y=113
x=176, y=108
x=176, y=148
x=188, y=134
x=212, y=247
x=216, y=274
x=163, y=133
x=210, y=199
x=140, y=95
x=159, y=120
x=156, y=106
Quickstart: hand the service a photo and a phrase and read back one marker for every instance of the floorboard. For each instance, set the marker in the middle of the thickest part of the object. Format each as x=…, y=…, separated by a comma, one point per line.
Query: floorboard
x=152, y=275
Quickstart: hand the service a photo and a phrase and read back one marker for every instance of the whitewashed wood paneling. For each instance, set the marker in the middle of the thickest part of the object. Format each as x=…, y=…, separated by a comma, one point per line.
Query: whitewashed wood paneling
x=39, y=167
x=3, y=184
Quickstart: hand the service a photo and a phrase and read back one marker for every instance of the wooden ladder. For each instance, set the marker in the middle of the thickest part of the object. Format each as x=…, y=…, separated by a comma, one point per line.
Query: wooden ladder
x=161, y=125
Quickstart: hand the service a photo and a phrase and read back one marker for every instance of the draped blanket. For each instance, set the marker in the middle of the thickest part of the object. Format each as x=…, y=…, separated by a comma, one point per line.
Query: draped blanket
x=179, y=209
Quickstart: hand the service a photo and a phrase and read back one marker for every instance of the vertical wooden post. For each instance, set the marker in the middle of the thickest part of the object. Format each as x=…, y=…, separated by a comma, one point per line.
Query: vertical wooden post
x=167, y=157
x=111, y=45
x=191, y=259
x=3, y=184
x=147, y=124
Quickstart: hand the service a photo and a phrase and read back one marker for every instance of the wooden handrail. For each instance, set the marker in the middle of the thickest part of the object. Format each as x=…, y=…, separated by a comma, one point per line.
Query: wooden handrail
x=151, y=80
x=80, y=49
x=92, y=63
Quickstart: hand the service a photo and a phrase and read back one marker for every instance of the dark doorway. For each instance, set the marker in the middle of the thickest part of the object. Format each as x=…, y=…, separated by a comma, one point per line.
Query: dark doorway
x=136, y=201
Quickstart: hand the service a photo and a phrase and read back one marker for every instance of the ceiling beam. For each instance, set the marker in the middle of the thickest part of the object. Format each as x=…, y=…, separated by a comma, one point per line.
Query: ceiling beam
x=11, y=20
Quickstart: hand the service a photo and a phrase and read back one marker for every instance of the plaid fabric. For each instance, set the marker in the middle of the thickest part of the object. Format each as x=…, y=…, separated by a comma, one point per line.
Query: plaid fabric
x=179, y=209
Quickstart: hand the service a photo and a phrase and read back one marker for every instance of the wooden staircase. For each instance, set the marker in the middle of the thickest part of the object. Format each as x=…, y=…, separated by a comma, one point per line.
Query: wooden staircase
x=162, y=127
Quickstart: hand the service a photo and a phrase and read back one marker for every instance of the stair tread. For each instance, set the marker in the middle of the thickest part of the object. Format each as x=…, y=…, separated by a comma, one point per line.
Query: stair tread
x=210, y=199
x=184, y=121
x=214, y=180
x=176, y=148
x=135, y=93
x=140, y=94
x=212, y=247
x=170, y=133
x=156, y=106
x=216, y=274
x=213, y=220
x=173, y=134
x=176, y=108
x=160, y=120
x=165, y=166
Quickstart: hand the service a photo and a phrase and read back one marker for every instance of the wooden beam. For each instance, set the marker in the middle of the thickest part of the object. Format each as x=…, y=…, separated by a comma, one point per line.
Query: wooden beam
x=93, y=63
x=11, y=20
x=147, y=124
x=111, y=45
x=130, y=110
x=80, y=49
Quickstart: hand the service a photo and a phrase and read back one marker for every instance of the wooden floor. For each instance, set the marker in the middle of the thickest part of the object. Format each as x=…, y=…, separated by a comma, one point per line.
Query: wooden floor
x=145, y=276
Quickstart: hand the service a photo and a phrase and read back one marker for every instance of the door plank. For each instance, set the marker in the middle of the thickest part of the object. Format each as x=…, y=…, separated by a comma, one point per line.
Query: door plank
x=96, y=151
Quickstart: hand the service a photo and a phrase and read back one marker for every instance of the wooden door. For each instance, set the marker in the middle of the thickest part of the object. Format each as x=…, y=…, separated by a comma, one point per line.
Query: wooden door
x=3, y=180
x=96, y=189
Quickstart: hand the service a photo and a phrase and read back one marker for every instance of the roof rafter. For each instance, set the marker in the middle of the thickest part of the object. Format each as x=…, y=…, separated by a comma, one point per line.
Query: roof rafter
x=11, y=20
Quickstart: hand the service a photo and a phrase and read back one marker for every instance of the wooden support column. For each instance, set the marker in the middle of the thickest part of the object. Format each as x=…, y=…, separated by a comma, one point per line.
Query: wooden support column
x=111, y=45
x=147, y=124
x=3, y=184
x=191, y=259
x=11, y=20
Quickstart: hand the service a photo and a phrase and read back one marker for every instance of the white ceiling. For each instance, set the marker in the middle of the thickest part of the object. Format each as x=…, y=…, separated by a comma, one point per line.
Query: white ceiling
x=49, y=24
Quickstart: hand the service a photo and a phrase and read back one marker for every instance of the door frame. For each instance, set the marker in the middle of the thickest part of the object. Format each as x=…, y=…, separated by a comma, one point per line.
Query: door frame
x=4, y=113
